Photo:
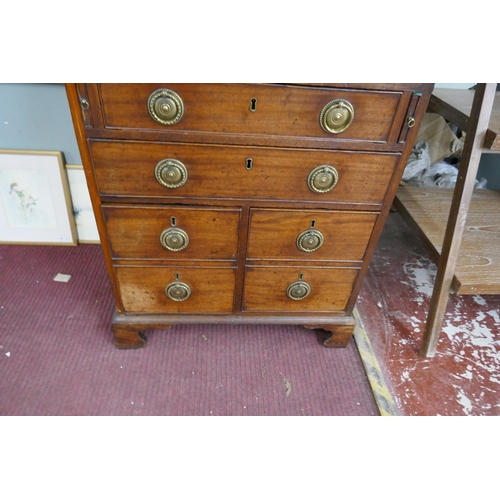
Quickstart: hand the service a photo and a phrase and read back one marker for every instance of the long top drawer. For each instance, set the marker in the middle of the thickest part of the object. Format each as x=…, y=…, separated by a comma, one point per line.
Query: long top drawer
x=255, y=109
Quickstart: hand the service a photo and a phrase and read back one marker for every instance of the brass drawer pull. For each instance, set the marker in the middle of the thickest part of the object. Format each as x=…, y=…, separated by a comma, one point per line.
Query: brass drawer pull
x=174, y=239
x=171, y=173
x=165, y=107
x=310, y=240
x=336, y=116
x=298, y=290
x=178, y=291
x=322, y=179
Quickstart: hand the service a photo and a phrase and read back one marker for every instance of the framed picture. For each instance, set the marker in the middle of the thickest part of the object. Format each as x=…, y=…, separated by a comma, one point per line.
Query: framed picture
x=35, y=203
x=86, y=226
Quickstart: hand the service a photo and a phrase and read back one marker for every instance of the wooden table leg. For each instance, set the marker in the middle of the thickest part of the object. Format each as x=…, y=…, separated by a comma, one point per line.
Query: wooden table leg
x=476, y=131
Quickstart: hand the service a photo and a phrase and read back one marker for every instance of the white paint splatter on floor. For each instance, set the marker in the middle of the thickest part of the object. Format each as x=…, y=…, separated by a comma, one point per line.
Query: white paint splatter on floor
x=464, y=401
x=479, y=300
x=422, y=273
x=494, y=314
x=470, y=338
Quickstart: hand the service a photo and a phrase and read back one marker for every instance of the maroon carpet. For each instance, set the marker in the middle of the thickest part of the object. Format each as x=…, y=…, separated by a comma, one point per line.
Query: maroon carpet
x=57, y=356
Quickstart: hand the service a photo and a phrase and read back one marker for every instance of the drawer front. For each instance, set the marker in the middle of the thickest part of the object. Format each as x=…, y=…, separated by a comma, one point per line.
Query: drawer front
x=251, y=109
x=143, y=232
x=143, y=289
x=222, y=171
x=266, y=288
x=314, y=235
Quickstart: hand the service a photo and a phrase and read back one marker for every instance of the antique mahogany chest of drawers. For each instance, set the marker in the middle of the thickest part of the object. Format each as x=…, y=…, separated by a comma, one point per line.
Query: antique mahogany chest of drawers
x=242, y=203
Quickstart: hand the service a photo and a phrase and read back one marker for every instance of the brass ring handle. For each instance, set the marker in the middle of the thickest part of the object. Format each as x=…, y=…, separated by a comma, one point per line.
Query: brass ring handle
x=310, y=240
x=178, y=291
x=322, y=179
x=174, y=239
x=336, y=116
x=165, y=107
x=171, y=173
x=298, y=290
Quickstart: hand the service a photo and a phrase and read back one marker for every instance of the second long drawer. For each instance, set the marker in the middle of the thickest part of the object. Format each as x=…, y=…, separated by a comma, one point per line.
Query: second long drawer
x=178, y=170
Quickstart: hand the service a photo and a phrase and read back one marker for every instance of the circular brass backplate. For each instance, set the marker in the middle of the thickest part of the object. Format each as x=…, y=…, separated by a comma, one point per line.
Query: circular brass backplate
x=310, y=240
x=322, y=179
x=174, y=239
x=298, y=290
x=178, y=291
x=165, y=107
x=336, y=116
x=171, y=173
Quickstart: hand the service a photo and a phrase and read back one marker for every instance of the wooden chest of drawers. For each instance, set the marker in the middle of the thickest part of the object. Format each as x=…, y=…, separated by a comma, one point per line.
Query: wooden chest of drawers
x=242, y=203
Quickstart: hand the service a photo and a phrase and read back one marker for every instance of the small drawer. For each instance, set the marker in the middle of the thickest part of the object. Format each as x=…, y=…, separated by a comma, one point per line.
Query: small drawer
x=132, y=169
x=265, y=109
x=315, y=289
x=176, y=289
x=174, y=233
x=311, y=234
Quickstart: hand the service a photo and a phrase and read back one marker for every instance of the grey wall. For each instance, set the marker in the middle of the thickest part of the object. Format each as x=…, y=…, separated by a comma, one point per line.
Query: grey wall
x=37, y=117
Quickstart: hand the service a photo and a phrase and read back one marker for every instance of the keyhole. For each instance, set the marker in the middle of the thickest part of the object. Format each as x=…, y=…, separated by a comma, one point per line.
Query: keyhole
x=173, y=221
x=249, y=164
x=176, y=277
x=301, y=275
x=313, y=223
x=253, y=104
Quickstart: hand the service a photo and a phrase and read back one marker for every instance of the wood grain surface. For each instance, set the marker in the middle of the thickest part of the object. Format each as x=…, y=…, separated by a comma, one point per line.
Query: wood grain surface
x=265, y=288
x=456, y=105
x=127, y=169
x=134, y=231
x=279, y=110
x=478, y=265
x=142, y=289
x=273, y=234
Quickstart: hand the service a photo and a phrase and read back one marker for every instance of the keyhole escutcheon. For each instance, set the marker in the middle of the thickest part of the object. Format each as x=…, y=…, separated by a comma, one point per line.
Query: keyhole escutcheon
x=253, y=104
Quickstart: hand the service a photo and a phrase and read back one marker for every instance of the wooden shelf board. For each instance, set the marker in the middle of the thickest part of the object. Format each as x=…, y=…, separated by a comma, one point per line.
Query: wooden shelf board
x=455, y=106
x=478, y=266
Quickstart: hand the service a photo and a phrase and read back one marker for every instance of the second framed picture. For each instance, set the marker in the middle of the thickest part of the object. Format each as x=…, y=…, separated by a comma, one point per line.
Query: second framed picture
x=86, y=225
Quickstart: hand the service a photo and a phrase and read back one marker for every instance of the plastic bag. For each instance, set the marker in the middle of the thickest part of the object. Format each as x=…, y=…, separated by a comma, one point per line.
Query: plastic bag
x=418, y=163
x=420, y=173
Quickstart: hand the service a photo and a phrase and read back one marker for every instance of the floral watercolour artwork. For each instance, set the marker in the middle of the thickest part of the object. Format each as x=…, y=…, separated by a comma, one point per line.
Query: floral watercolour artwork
x=27, y=205
x=34, y=199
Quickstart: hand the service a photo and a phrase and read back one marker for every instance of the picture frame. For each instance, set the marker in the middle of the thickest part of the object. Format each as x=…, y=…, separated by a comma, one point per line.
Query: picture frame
x=35, y=201
x=83, y=213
